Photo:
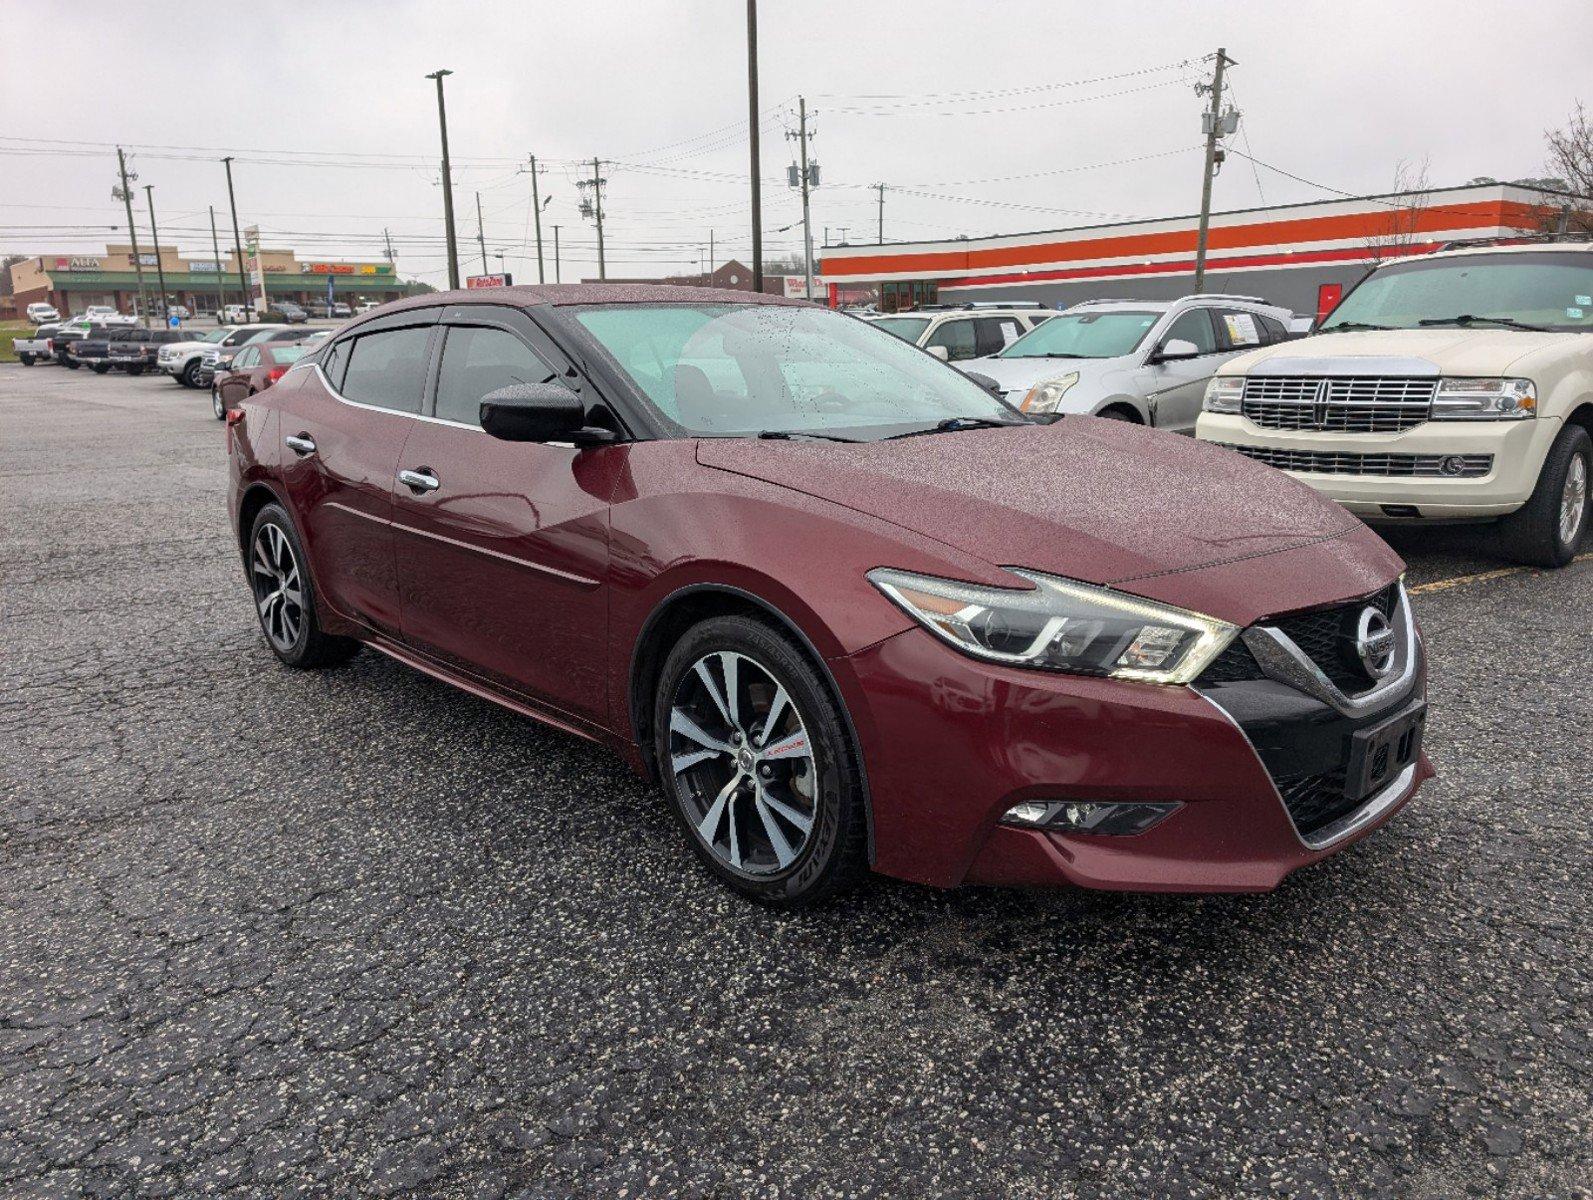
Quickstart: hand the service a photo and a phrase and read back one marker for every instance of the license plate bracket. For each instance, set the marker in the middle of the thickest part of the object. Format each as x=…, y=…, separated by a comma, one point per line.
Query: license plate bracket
x=1380, y=753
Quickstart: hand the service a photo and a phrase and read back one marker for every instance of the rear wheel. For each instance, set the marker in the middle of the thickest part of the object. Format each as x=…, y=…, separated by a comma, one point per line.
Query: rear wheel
x=754, y=754
x=135, y=370
x=1546, y=530
x=284, y=600
x=99, y=368
x=25, y=359
x=216, y=406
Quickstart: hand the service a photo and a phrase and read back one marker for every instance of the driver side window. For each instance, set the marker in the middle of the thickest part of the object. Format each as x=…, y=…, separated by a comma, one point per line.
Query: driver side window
x=1195, y=327
x=478, y=360
x=958, y=339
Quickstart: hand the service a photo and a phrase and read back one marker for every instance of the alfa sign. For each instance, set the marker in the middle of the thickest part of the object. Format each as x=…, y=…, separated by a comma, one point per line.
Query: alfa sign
x=78, y=264
x=481, y=281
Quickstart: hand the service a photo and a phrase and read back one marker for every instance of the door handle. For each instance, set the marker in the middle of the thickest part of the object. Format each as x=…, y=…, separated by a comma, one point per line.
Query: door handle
x=301, y=444
x=419, y=481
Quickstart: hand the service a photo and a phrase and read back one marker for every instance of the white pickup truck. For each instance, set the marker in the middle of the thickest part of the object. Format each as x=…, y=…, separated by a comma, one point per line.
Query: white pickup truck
x=35, y=347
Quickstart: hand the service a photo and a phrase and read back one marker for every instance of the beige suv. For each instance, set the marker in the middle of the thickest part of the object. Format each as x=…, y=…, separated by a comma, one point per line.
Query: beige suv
x=965, y=332
x=1457, y=386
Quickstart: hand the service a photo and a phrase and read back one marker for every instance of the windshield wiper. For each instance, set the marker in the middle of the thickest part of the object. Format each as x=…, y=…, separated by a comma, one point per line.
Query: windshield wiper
x=953, y=424
x=1048, y=354
x=786, y=435
x=1465, y=319
x=1353, y=325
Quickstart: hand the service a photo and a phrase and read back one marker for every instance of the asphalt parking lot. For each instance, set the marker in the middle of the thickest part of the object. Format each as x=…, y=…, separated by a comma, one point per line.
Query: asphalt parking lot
x=269, y=933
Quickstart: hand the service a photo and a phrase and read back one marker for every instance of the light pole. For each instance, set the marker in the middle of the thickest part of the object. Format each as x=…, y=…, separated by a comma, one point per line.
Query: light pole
x=447, y=181
x=160, y=271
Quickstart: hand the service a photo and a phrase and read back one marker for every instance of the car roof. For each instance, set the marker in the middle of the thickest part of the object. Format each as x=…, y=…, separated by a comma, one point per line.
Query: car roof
x=1533, y=247
x=561, y=294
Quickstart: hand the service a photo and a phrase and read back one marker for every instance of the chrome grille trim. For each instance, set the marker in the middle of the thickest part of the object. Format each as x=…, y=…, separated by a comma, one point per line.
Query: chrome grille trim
x=1335, y=462
x=1339, y=404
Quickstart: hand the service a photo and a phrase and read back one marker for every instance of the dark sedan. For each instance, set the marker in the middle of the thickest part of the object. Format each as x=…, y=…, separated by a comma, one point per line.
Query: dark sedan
x=255, y=368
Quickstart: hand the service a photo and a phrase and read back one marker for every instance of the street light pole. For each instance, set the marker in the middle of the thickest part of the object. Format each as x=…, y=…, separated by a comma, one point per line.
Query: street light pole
x=237, y=248
x=160, y=271
x=132, y=236
x=558, y=275
x=447, y=182
x=752, y=124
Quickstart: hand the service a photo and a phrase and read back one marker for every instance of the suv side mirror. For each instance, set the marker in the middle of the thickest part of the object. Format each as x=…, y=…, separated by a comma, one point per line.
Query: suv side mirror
x=539, y=412
x=939, y=352
x=1173, y=349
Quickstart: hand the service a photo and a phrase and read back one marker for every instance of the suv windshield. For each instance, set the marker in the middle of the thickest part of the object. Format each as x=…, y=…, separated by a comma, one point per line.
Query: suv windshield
x=735, y=369
x=1544, y=289
x=215, y=335
x=1085, y=335
x=906, y=328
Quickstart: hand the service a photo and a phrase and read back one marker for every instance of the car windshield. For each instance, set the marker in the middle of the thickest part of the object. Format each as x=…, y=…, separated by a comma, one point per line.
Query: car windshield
x=906, y=328
x=1107, y=334
x=1542, y=289
x=737, y=369
x=215, y=335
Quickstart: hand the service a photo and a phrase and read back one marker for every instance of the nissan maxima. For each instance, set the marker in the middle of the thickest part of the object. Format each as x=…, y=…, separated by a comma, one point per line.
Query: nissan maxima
x=848, y=609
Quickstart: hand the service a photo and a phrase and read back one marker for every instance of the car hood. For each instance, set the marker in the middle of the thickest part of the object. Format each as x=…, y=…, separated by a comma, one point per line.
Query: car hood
x=1106, y=502
x=1451, y=350
x=1017, y=375
x=184, y=347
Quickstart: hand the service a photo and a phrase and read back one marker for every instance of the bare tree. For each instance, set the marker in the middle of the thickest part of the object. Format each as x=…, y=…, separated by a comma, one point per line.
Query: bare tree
x=1400, y=227
x=1571, y=159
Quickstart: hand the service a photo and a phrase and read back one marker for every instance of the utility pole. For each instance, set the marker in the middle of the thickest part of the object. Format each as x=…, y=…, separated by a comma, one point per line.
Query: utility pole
x=710, y=254
x=392, y=259
x=881, y=188
x=481, y=234
x=752, y=125
x=221, y=276
x=597, y=206
x=160, y=271
x=1213, y=132
x=558, y=276
x=447, y=182
x=132, y=235
x=807, y=181
x=536, y=209
x=237, y=245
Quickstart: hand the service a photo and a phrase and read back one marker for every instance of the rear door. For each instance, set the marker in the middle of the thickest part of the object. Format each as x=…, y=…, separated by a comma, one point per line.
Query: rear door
x=1177, y=386
x=503, y=546
x=343, y=428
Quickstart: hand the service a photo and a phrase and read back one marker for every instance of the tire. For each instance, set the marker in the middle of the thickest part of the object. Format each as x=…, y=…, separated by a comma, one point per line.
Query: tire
x=1116, y=413
x=275, y=562
x=135, y=370
x=190, y=374
x=216, y=406
x=1546, y=530
x=25, y=359
x=99, y=368
x=71, y=364
x=742, y=814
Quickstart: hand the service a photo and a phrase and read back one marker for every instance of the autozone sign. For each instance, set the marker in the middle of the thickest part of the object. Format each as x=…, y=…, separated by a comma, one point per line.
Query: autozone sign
x=481, y=281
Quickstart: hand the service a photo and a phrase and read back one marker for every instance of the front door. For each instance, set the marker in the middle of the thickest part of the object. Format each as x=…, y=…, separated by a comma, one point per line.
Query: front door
x=340, y=460
x=234, y=385
x=503, y=546
x=1178, y=386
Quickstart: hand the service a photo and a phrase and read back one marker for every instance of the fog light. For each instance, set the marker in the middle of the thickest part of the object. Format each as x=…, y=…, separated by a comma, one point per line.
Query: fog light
x=1078, y=816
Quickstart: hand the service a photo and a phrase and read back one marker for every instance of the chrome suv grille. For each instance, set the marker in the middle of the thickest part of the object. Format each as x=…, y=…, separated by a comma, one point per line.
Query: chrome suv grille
x=1338, y=404
x=1330, y=462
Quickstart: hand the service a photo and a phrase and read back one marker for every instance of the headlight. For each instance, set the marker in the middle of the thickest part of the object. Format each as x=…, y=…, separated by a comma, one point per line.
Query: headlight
x=1060, y=625
x=1044, y=397
x=1485, y=400
x=1225, y=393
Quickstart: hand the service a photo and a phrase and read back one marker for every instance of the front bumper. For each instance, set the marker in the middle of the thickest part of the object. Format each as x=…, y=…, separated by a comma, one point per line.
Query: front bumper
x=950, y=744
x=1518, y=449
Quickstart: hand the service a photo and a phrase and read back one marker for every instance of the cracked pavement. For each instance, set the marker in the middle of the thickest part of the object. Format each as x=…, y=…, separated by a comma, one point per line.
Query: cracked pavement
x=267, y=933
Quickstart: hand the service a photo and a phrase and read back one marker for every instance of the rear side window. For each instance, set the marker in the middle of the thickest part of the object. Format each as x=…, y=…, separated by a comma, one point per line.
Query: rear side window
x=1240, y=330
x=1275, y=331
x=478, y=360
x=388, y=369
x=332, y=361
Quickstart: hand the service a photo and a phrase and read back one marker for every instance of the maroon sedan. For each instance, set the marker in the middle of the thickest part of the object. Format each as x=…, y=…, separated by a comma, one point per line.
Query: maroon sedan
x=253, y=369
x=845, y=606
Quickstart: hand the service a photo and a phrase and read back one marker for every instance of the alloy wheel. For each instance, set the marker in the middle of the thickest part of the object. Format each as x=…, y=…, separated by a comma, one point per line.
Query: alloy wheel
x=216, y=406
x=1573, y=500
x=278, y=587
x=742, y=764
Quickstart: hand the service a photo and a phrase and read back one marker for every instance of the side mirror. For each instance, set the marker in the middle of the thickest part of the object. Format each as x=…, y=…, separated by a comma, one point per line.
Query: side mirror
x=939, y=352
x=538, y=412
x=984, y=381
x=1174, y=349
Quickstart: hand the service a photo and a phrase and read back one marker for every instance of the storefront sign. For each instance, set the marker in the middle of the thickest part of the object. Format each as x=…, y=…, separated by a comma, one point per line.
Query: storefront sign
x=79, y=264
x=328, y=269
x=203, y=265
x=147, y=260
x=484, y=281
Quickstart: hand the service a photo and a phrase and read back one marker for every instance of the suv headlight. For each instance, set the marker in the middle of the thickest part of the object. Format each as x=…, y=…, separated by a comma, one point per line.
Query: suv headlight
x=1061, y=625
x=1225, y=393
x=1045, y=396
x=1460, y=399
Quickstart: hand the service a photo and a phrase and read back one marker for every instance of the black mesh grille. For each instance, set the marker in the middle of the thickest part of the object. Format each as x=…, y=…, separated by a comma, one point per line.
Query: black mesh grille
x=1327, y=636
x=1234, y=665
x=1315, y=801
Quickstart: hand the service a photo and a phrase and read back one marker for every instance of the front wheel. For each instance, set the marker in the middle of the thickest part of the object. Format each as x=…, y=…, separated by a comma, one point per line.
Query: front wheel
x=99, y=369
x=135, y=370
x=190, y=375
x=284, y=600
x=754, y=754
x=1546, y=530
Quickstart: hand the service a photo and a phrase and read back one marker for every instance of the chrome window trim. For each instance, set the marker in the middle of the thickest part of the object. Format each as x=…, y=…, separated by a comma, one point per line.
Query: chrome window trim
x=1281, y=659
x=392, y=412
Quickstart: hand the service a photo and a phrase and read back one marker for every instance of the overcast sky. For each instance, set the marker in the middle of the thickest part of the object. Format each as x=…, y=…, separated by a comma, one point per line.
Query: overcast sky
x=334, y=125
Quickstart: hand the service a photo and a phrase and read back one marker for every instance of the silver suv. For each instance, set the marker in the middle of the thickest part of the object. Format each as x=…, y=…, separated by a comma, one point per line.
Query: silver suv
x=960, y=333
x=1135, y=360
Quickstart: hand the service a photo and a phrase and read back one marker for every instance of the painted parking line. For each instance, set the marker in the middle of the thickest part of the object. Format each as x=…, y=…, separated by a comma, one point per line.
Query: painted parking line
x=1443, y=585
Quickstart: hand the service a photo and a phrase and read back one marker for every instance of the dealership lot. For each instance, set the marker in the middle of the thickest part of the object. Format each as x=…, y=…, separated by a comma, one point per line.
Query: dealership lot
x=263, y=931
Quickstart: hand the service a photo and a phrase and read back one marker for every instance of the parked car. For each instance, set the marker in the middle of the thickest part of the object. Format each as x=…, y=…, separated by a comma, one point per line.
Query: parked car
x=40, y=313
x=104, y=314
x=183, y=359
x=961, y=647
x=35, y=348
x=234, y=314
x=958, y=334
x=141, y=351
x=93, y=350
x=315, y=337
x=254, y=369
x=69, y=332
x=341, y=309
x=286, y=313
x=219, y=358
x=1449, y=387
x=1132, y=360
x=365, y=306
